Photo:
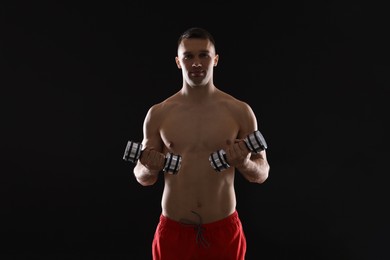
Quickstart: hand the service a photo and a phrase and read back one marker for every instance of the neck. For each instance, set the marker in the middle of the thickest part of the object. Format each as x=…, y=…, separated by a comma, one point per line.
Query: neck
x=198, y=93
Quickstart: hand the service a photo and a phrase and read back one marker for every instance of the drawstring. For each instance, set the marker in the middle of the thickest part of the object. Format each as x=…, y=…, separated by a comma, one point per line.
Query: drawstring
x=198, y=228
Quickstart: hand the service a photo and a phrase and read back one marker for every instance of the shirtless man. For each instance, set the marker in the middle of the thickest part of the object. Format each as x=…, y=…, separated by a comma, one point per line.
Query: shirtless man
x=199, y=218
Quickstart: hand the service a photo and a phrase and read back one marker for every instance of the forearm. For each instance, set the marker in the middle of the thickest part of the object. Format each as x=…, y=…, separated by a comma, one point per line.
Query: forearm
x=255, y=171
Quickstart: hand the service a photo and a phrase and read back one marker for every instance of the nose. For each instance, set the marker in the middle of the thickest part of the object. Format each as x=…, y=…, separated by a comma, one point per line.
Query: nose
x=196, y=64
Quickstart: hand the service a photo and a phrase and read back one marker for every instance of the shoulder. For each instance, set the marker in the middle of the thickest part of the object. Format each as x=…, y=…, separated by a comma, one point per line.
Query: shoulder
x=163, y=107
x=235, y=104
x=243, y=113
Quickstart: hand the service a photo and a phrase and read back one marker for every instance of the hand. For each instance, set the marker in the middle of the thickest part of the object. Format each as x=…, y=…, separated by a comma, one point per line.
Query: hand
x=152, y=159
x=237, y=153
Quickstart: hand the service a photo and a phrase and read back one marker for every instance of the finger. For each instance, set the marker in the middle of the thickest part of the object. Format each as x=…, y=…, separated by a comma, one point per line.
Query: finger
x=154, y=157
x=144, y=159
x=243, y=148
x=239, y=148
x=235, y=149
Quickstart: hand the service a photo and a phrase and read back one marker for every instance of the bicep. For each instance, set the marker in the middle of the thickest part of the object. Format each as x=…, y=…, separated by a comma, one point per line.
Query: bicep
x=151, y=133
x=248, y=121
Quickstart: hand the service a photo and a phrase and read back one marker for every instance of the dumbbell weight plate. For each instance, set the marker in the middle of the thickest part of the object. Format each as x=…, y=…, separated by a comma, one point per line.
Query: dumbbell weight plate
x=218, y=160
x=132, y=152
x=255, y=142
x=172, y=163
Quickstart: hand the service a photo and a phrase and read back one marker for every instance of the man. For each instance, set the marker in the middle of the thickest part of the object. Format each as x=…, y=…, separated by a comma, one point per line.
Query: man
x=199, y=218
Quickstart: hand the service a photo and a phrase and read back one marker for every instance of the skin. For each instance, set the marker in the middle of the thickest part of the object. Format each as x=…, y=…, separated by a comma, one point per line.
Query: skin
x=194, y=122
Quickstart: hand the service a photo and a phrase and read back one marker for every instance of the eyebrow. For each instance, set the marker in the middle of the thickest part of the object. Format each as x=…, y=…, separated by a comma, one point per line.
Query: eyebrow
x=189, y=52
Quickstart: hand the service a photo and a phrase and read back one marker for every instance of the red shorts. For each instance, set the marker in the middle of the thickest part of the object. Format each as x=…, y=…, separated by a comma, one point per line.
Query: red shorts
x=223, y=239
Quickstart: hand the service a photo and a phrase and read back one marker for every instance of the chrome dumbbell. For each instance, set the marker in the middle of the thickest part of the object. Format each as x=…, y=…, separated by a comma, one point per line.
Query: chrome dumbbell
x=133, y=152
x=255, y=143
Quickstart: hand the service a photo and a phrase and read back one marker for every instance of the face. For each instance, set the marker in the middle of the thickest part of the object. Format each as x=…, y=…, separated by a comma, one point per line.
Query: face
x=196, y=58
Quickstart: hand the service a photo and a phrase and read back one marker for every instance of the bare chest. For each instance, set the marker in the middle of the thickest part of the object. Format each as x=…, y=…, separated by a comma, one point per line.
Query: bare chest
x=198, y=130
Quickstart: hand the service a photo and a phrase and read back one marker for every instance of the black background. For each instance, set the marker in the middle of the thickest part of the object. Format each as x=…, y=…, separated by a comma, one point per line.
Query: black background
x=77, y=80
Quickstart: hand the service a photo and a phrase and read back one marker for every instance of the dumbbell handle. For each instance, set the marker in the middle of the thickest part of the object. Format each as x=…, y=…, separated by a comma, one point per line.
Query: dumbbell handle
x=133, y=152
x=255, y=143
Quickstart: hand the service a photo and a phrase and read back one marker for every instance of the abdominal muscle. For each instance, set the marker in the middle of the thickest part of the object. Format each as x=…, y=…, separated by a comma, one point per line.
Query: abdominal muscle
x=198, y=188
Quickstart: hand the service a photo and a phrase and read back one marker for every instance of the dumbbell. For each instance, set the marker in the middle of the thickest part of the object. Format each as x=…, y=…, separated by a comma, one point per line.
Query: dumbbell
x=255, y=143
x=133, y=152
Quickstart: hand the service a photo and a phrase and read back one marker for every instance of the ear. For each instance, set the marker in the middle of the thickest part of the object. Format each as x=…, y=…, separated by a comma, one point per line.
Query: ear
x=177, y=62
x=216, y=59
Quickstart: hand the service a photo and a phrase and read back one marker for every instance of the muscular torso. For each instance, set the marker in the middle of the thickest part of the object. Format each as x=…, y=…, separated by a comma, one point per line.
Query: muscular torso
x=195, y=131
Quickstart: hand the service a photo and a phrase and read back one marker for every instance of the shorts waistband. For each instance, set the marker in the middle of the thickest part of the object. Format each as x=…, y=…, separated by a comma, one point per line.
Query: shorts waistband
x=231, y=219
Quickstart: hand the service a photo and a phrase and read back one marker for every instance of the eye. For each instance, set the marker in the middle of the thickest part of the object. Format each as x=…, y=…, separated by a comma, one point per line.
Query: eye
x=187, y=57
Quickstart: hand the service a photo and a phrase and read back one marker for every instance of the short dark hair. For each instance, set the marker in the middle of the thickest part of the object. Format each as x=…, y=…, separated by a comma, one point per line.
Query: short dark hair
x=196, y=33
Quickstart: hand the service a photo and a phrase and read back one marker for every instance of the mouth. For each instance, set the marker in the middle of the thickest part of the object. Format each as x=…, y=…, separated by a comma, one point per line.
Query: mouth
x=199, y=73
